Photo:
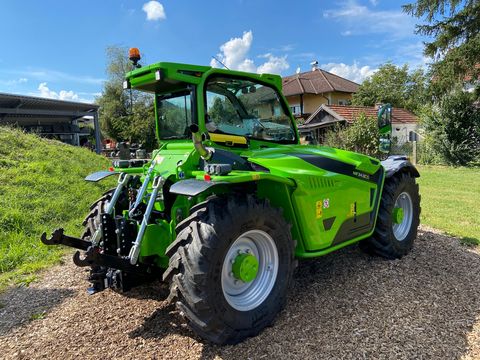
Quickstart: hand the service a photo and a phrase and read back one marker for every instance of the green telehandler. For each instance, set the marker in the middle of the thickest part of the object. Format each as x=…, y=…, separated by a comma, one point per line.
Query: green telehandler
x=231, y=200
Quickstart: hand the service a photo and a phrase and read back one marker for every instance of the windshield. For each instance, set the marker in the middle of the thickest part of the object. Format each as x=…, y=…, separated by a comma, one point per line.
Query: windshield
x=174, y=113
x=246, y=108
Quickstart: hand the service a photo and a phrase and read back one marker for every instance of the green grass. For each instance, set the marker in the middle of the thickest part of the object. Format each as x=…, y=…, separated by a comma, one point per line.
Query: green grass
x=451, y=201
x=41, y=188
x=38, y=316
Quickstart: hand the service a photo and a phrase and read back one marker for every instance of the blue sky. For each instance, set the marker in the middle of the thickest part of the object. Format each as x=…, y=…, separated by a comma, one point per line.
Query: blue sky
x=57, y=48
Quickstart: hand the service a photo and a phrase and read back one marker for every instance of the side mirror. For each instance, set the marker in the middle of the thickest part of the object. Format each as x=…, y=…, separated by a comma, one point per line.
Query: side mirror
x=385, y=128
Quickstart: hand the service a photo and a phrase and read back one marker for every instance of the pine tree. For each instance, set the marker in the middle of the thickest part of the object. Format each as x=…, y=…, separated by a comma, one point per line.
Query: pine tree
x=454, y=29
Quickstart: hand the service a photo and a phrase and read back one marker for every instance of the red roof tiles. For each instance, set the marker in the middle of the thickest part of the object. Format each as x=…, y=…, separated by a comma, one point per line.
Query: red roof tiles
x=349, y=113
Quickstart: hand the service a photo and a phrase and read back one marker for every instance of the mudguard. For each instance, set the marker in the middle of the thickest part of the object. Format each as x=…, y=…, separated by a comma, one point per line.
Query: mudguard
x=192, y=187
x=395, y=163
x=100, y=175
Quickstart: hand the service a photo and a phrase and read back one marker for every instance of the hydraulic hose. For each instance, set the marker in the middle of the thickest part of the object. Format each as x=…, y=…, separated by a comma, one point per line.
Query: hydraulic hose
x=205, y=153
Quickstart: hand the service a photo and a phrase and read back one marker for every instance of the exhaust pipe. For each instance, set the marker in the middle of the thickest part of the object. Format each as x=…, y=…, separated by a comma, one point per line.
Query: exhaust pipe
x=205, y=153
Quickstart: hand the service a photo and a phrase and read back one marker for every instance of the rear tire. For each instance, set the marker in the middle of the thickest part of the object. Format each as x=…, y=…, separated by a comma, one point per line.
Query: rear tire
x=220, y=308
x=393, y=239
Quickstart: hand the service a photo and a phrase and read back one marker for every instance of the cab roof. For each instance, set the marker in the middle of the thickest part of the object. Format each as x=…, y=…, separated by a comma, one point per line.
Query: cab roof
x=166, y=76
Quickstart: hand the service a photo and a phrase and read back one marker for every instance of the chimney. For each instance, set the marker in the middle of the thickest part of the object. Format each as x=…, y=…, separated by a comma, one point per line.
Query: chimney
x=314, y=65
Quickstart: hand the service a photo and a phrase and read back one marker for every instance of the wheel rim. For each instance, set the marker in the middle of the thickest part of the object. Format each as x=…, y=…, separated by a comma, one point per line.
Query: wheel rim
x=247, y=295
x=402, y=216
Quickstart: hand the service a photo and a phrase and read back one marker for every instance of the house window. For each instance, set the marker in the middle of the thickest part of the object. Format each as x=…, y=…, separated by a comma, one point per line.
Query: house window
x=296, y=110
x=342, y=102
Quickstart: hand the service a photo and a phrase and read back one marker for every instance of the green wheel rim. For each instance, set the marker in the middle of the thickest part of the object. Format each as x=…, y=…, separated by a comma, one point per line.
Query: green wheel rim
x=403, y=213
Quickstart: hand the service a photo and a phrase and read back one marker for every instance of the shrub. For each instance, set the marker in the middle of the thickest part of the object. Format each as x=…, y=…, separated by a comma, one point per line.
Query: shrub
x=452, y=129
x=361, y=136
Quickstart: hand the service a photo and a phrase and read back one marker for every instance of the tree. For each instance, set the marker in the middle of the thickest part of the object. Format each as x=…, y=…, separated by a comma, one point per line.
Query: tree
x=361, y=136
x=222, y=111
x=395, y=85
x=125, y=116
x=454, y=29
x=452, y=128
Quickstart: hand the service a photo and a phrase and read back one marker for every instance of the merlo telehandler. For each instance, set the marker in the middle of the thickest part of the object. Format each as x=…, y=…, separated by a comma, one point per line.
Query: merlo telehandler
x=231, y=200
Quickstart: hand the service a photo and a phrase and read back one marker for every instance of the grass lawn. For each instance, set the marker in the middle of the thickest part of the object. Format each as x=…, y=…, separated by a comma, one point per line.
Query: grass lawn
x=42, y=187
x=451, y=201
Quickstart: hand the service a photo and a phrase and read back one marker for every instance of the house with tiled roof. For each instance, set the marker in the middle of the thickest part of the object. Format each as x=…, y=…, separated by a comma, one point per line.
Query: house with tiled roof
x=306, y=91
x=404, y=122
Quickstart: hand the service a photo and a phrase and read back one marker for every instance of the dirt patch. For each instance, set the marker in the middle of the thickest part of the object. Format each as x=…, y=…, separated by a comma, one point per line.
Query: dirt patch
x=344, y=305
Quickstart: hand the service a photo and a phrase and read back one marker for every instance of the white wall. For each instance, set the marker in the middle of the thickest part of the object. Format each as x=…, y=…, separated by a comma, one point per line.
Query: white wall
x=403, y=131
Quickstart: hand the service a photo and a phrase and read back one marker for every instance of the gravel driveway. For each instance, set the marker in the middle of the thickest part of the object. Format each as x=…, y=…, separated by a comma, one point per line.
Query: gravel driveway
x=344, y=305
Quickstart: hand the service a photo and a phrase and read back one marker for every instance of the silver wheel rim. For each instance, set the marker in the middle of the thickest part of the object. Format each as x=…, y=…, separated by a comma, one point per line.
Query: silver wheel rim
x=401, y=230
x=245, y=296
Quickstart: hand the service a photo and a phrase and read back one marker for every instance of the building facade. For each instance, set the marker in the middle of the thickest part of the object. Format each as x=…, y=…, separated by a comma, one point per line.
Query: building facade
x=404, y=122
x=307, y=91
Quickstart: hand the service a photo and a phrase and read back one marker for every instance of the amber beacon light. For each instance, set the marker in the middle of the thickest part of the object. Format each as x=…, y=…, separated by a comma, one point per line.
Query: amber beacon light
x=134, y=56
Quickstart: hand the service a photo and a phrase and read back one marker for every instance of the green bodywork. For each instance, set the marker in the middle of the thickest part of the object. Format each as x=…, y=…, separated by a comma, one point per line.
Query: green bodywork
x=329, y=196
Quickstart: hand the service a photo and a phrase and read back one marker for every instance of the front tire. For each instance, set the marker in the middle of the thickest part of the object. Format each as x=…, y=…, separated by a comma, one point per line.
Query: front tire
x=230, y=267
x=93, y=219
x=398, y=218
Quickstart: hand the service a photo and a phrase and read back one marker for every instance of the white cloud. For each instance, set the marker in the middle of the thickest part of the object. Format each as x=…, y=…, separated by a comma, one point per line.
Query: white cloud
x=44, y=91
x=310, y=56
x=359, y=19
x=154, y=10
x=412, y=54
x=13, y=82
x=273, y=65
x=234, y=54
x=283, y=48
x=352, y=72
x=47, y=75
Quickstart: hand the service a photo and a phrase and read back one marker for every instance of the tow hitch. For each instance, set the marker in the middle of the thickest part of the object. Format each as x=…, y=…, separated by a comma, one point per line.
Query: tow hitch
x=108, y=271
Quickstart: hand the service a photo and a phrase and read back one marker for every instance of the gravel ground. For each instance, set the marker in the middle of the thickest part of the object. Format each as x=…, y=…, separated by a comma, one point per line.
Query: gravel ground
x=345, y=305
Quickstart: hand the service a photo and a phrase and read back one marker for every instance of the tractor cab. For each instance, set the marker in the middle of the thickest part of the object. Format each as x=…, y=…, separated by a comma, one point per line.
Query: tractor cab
x=231, y=109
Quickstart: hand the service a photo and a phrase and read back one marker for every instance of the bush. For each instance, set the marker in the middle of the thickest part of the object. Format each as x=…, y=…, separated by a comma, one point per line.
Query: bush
x=361, y=136
x=452, y=129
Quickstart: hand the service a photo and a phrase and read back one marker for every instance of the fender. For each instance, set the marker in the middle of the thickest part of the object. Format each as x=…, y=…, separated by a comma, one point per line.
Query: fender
x=395, y=163
x=100, y=175
x=193, y=187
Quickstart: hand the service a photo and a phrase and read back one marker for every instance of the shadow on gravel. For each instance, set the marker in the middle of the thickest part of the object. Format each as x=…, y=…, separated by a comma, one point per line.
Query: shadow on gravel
x=155, y=290
x=350, y=305
x=27, y=303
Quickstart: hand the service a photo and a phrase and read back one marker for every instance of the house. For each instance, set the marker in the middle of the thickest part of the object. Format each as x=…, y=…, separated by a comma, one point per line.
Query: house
x=404, y=123
x=306, y=91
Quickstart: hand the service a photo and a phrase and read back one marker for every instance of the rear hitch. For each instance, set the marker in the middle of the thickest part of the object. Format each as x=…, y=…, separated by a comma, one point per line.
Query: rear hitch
x=58, y=238
x=107, y=271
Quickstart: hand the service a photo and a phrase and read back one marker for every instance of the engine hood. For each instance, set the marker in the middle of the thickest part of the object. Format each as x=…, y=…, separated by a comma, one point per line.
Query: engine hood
x=308, y=158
